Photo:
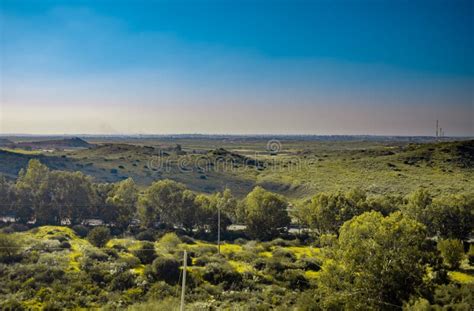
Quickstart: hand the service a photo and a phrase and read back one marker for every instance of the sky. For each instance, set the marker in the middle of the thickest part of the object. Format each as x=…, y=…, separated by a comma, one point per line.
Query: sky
x=237, y=67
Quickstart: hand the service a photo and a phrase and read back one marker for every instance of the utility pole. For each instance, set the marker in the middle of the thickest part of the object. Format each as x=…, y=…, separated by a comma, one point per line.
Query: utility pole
x=219, y=223
x=219, y=230
x=185, y=265
x=437, y=128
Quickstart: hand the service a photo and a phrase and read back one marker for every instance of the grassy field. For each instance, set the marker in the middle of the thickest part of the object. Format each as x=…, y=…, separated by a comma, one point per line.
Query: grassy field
x=298, y=170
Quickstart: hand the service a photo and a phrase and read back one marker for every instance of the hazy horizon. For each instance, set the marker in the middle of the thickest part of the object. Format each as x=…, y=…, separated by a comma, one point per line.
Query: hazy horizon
x=244, y=68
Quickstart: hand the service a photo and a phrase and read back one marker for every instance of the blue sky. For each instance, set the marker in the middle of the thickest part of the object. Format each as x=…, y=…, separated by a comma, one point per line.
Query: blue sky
x=298, y=67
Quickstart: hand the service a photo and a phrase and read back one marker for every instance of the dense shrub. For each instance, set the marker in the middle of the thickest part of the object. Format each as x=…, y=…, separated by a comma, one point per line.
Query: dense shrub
x=187, y=239
x=276, y=265
x=147, y=235
x=202, y=261
x=96, y=254
x=244, y=255
x=161, y=289
x=205, y=250
x=15, y=227
x=282, y=242
x=81, y=230
x=445, y=297
x=99, y=272
x=222, y=273
x=296, y=279
x=170, y=241
x=111, y=252
x=122, y=281
x=313, y=264
x=65, y=245
x=146, y=253
x=452, y=252
x=284, y=254
x=166, y=269
x=129, y=261
x=240, y=241
x=99, y=236
x=119, y=248
x=9, y=248
x=11, y=305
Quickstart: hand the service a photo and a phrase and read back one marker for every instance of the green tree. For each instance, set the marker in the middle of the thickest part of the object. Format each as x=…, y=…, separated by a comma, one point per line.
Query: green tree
x=418, y=206
x=10, y=249
x=168, y=202
x=452, y=252
x=100, y=208
x=6, y=196
x=66, y=196
x=265, y=214
x=448, y=216
x=326, y=212
x=209, y=207
x=51, y=197
x=452, y=216
x=28, y=188
x=122, y=201
x=377, y=263
x=99, y=236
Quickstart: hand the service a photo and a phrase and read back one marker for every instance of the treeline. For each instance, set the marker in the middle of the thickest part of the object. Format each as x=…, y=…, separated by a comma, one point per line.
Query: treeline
x=444, y=216
x=47, y=197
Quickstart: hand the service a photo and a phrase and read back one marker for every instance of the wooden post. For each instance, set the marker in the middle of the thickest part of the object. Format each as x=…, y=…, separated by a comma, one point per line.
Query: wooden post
x=185, y=265
x=219, y=230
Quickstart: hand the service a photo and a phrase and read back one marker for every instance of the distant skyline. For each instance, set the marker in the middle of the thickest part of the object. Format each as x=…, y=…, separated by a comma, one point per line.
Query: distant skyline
x=237, y=67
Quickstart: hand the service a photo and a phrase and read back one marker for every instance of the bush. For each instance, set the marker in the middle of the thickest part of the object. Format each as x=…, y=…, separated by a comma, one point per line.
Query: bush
x=111, y=252
x=284, y=254
x=99, y=236
x=147, y=235
x=9, y=249
x=120, y=248
x=122, y=281
x=222, y=273
x=61, y=238
x=240, y=241
x=202, y=261
x=96, y=254
x=166, y=269
x=470, y=255
x=170, y=241
x=306, y=264
x=146, y=253
x=15, y=228
x=188, y=240
x=296, y=279
x=452, y=252
x=130, y=261
x=81, y=230
x=99, y=272
x=11, y=305
x=276, y=265
x=281, y=242
x=244, y=255
x=160, y=289
x=65, y=245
